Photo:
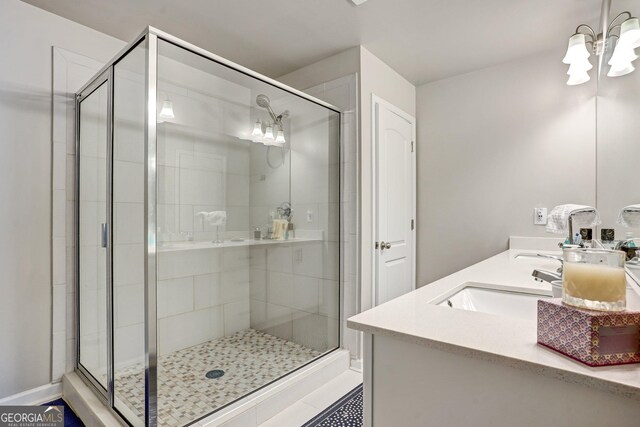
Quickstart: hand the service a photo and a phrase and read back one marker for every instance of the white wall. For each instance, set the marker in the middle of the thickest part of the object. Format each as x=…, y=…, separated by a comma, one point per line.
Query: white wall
x=376, y=78
x=27, y=35
x=331, y=68
x=492, y=145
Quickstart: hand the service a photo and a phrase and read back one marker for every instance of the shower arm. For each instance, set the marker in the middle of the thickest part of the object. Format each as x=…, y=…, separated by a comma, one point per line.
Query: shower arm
x=275, y=118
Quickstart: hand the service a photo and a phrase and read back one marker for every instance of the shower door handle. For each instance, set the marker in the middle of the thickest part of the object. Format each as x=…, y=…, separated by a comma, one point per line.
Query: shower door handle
x=104, y=236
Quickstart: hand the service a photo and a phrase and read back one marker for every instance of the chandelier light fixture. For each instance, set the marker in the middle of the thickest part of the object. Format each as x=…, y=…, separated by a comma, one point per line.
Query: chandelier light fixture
x=586, y=42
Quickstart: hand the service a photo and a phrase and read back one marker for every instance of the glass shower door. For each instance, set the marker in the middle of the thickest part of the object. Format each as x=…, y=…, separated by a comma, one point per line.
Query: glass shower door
x=92, y=233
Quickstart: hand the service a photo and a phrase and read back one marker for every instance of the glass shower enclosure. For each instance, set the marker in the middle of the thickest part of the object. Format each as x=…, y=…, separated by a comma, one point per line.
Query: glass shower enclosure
x=208, y=230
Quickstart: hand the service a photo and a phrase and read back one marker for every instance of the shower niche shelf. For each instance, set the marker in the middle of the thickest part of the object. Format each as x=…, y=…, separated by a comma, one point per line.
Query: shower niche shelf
x=191, y=246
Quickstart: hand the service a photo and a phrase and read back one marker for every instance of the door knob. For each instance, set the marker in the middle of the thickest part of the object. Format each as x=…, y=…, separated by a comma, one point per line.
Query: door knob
x=384, y=245
x=387, y=245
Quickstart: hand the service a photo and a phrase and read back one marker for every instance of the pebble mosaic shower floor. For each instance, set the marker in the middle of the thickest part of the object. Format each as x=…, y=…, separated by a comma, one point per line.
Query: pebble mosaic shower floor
x=249, y=359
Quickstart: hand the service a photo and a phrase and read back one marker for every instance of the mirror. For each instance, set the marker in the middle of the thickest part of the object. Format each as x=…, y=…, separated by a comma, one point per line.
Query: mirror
x=618, y=145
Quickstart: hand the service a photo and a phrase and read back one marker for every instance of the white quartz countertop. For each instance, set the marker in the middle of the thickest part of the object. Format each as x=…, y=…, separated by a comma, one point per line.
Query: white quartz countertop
x=513, y=342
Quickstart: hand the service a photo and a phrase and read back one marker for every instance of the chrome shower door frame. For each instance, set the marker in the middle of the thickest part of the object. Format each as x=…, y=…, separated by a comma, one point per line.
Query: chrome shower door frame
x=150, y=37
x=105, y=77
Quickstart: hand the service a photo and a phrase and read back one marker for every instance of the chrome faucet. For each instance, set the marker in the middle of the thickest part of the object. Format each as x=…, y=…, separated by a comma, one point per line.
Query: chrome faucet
x=544, y=275
x=628, y=247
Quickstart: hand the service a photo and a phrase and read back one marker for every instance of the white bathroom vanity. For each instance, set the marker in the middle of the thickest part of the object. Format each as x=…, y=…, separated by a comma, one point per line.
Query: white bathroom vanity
x=462, y=351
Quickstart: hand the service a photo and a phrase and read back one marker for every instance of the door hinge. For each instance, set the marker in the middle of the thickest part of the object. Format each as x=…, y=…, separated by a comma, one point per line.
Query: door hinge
x=412, y=146
x=412, y=224
x=377, y=245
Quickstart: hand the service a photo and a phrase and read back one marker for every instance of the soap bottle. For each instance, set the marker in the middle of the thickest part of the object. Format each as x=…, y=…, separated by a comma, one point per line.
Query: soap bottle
x=257, y=233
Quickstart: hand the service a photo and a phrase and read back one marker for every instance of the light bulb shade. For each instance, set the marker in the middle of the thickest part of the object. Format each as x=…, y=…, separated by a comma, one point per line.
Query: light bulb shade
x=630, y=32
x=167, y=110
x=268, y=135
x=257, y=130
x=623, y=55
x=579, y=67
x=617, y=72
x=577, y=49
x=280, y=138
x=578, y=78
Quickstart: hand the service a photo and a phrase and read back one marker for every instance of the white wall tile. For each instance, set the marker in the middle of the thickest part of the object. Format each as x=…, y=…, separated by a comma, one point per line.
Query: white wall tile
x=128, y=345
x=278, y=322
x=128, y=264
x=279, y=258
x=236, y=317
x=128, y=223
x=58, y=208
x=188, y=329
x=173, y=264
x=258, y=285
x=328, y=293
x=59, y=260
x=237, y=190
x=280, y=288
x=235, y=285
x=175, y=296
x=258, y=257
x=305, y=293
x=59, y=317
x=308, y=259
x=207, y=290
x=128, y=182
x=129, y=305
x=236, y=258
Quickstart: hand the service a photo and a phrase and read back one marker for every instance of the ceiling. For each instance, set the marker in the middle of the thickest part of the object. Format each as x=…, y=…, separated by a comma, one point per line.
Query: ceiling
x=424, y=40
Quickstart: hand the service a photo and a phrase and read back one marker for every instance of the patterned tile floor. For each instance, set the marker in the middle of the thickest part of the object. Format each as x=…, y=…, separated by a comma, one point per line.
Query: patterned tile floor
x=249, y=358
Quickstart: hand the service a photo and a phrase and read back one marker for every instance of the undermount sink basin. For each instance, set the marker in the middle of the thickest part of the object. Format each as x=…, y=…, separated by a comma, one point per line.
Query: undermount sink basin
x=509, y=303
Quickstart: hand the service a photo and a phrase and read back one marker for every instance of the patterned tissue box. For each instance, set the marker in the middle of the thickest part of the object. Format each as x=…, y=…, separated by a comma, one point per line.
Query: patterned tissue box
x=596, y=338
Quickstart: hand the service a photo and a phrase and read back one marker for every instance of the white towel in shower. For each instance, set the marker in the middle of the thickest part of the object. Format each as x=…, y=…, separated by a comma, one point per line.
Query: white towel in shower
x=217, y=218
x=583, y=217
x=630, y=216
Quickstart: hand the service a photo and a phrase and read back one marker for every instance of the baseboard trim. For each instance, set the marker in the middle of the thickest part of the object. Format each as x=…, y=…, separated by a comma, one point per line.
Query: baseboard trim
x=35, y=396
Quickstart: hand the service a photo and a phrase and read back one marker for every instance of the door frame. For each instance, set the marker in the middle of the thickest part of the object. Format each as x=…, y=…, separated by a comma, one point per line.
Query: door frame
x=376, y=102
x=104, y=78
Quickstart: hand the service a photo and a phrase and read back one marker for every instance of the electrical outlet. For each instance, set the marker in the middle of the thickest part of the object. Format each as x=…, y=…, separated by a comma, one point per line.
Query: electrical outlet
x=586, y=234
x=607, y=234
x=540, y=216
x=309, y=216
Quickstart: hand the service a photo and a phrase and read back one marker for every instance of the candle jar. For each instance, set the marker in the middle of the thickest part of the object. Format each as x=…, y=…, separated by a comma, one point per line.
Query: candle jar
x=594, y=279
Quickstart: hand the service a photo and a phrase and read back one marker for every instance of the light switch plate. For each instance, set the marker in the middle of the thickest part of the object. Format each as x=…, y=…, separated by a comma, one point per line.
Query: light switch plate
x=540, y=216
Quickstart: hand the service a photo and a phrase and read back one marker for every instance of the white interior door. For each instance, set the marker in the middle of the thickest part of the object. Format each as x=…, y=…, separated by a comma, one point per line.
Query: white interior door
x=394, y=202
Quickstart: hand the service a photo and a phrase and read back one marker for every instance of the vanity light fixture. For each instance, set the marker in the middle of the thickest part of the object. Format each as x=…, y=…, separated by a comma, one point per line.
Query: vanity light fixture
x=256, y=135
x=280, y=138
x=268, y=137
x=167, y=110
x=585, y=42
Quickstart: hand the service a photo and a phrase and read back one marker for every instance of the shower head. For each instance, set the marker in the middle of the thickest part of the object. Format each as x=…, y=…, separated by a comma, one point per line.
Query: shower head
x=263, y=101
